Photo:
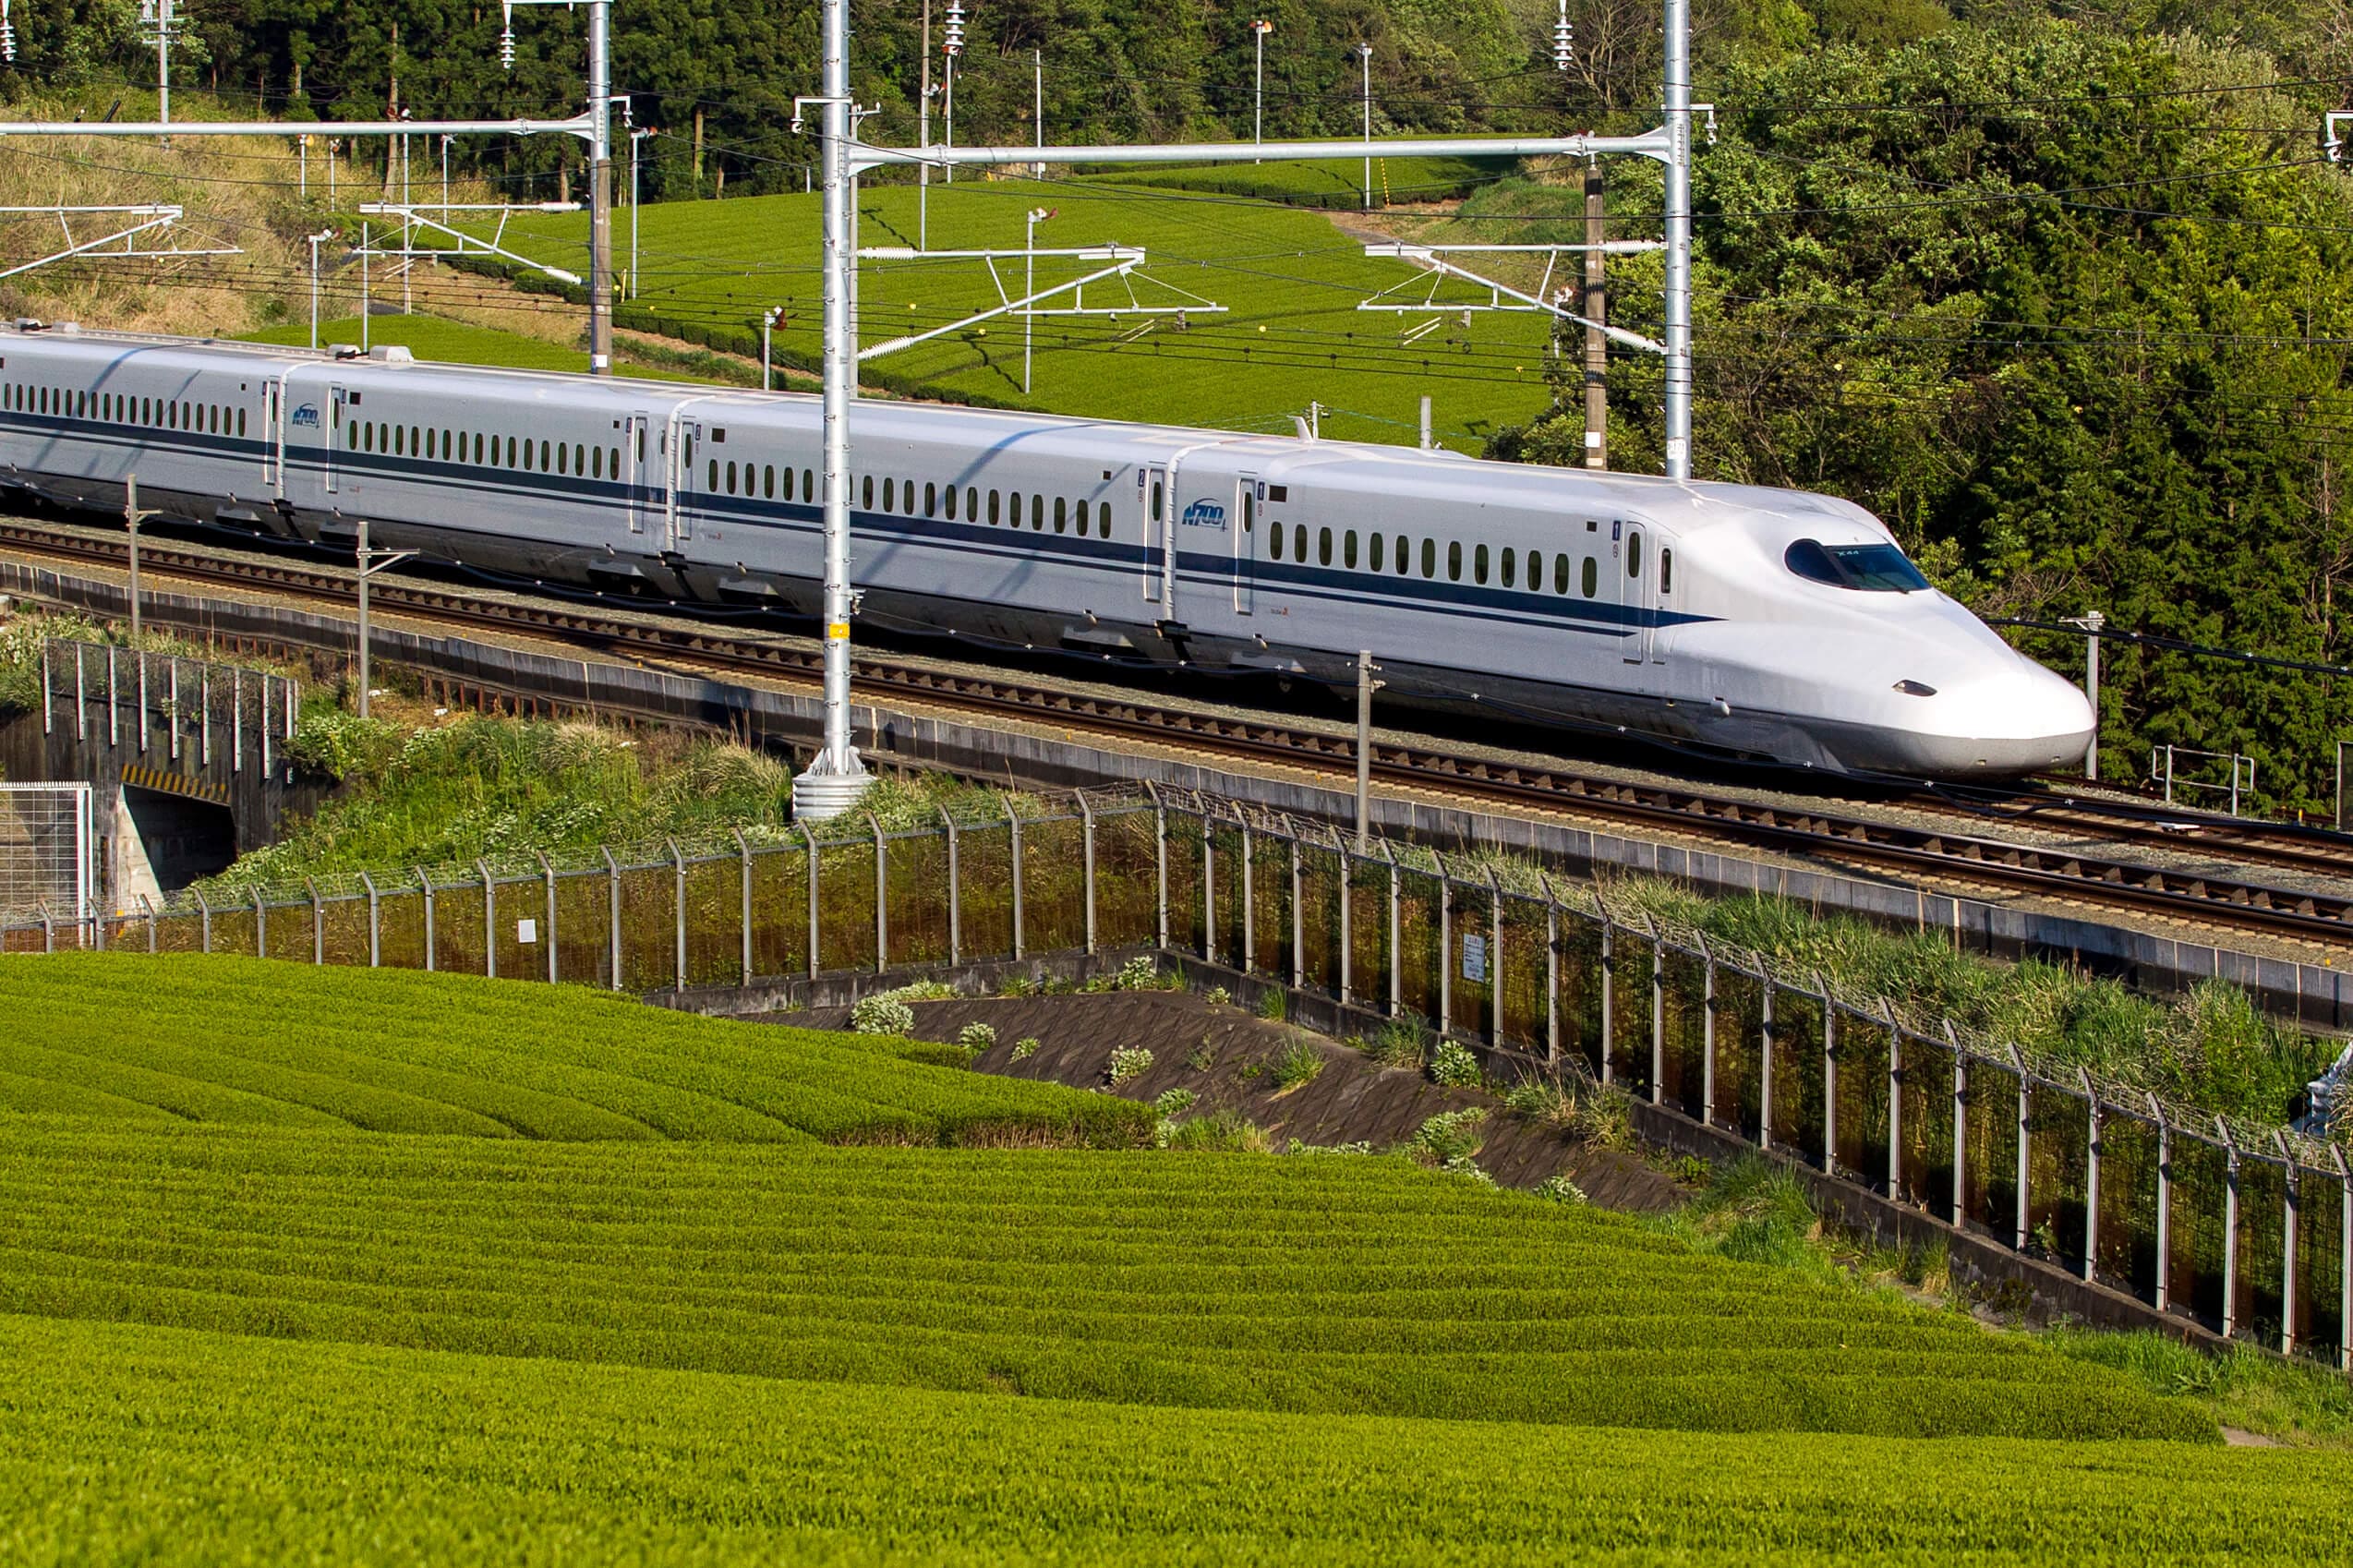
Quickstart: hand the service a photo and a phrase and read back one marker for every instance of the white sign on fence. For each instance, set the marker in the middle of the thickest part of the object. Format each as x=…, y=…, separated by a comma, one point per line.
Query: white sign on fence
x=1475, y=958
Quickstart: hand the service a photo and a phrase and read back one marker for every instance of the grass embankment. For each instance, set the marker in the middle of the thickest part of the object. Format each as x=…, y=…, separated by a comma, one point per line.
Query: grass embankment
x=237, y=1041
x=1289, y=280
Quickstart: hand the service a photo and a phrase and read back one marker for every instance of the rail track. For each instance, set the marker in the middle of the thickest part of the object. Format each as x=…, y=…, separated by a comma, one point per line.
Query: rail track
x=1974, y=857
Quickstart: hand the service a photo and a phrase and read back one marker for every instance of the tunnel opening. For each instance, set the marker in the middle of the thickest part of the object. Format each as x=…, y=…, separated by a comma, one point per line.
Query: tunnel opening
x=164, y=841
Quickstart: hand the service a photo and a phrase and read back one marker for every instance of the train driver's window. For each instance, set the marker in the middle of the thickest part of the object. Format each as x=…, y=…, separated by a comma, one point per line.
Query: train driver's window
x=1274, y=543
x=1560, y=573
x=1430, y=558
x=1633, y=555
x=1666, y=570
x=1453, y=560
x=1592, y=583
x=1324, y=547
x=1348, y=549
x=1377, y=540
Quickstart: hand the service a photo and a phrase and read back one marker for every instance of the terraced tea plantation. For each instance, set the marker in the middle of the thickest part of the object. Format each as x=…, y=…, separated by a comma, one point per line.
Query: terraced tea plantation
x=285, y=1253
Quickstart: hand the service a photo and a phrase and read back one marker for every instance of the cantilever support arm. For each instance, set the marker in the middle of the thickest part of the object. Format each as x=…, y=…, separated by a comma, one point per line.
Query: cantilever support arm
x=1438, y=263
x=581, y=126
x=1657, y=144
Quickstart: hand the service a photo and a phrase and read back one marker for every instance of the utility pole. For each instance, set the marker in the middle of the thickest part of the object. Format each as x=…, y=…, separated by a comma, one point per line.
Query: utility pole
x=1030, y=287
x=768, y=329
x=1258, y=30
x=1364, y=53
x=366, y=306
x=2092, y=622
x=950, y=51
x=371, y=562
x=1678, y=216
x=1597, y=308
x=636, y=277
x=601, y=167
x=836, y=778
x=316, y=240
x=1366, y=686
x=924, y=137
x=132, y=518
x=1425, y=422
x=1037, y=107
x=160, y=19
x=445, y=173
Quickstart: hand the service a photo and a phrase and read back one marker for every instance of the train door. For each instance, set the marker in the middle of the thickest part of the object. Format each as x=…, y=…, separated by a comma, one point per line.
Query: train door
x=1634, y=568
x=1151, y=495
x=1249, y=497
x=273, y=433
x=686, y=437
x=633, y=470
x=336, y=398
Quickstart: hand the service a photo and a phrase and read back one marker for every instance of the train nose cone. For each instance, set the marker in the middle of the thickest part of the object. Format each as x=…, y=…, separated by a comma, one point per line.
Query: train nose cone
x=2024, y=720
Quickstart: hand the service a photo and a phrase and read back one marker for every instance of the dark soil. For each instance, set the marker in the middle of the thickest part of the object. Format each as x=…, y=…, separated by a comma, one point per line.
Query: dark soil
x=1224, y=1056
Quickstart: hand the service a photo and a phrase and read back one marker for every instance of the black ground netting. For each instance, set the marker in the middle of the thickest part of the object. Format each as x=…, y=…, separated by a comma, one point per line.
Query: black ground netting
x=1797, y=1072
x=1740, y=1044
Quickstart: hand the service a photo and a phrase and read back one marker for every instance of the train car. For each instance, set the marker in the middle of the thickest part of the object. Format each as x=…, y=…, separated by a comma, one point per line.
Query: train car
x=1748, y=623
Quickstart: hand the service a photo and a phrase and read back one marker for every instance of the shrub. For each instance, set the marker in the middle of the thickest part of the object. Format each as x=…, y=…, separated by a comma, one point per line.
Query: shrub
x=1295, y=1066
x=882, y=1014
x=1541, y=1100
x=1220, y=1132
x=1561, y=1189
x=1604, y=1120
x=1449, y=1136
x=1453, y=1065
x=1401, y=1043
x=1217, y=995
x=1128, y=1063
x=1025, y=1047
x=976, y=1036
x=1138, y=973
x=1175, y=1101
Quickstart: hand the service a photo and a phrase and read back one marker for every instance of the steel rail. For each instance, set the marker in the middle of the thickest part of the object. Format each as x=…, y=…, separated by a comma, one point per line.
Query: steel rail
x=1680, y=809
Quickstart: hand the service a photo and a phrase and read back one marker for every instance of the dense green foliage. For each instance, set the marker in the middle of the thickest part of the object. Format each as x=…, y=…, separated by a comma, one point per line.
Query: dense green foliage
x=1327, y=1286
x=173, y=1447
x=241, y=1041
x=2066, y=304
x=2211, y=1049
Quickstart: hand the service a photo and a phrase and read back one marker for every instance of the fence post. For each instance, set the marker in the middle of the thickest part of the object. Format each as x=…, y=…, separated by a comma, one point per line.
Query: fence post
x=1209, y=888
x=809, y=835
x=261, y=926
x=1347, y=860
x=1829, y=1077
x=141, y=655
x=2230, y=1232
x=1552, y=974
x=1160, y=862
x=2091, y=1176
x=48, y=717
x=2344, y=1261
x=97, y=924
x=1249, y=901
x=426, y=882
x=956, y=897
x=1013, y=824
x=2025, y=1146
x=678, y=913
x=1495, y=959
x=204, y=714
x=148, y=904
x=204, y=919
x=1765, y=1060
x=489, y=922
x=114, y=701
x=1960, y=1125
x=48, y=929
x=261, y=713
x=743, y=915
x=1609, y=996
x=1087, y=818
x=317, y=924
x=1895, y=1104
x=1445, y=950
x=1298, y=918
x=1708, y=1035
x=547, y=877
x=612, y=915
x=882, y=895
x=1396, y=910
x=172, y=718
x=2162, y=1295
x=2291, y=1205
x=81, y=702
x=237, y=718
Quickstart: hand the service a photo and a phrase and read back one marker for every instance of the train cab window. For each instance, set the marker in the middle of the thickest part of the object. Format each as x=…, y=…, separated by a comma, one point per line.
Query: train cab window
x=1633, y=555
x=931, y=500
x=1324, y=547
x=1275, y=543
x=1037, y=513
x=1561, y=574
x=997, y=507
x=1877, y=569
x=1061, y=518
x=1592, y=583
x=1377, y=540
x=1455, y=560
x=1478, y=565
x=1430, y=558
x=1348, y=549
x=1509, y=581
x=1666, y=570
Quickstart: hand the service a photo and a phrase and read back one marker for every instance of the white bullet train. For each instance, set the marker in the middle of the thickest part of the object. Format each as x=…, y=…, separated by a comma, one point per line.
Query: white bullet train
x=1748, y=623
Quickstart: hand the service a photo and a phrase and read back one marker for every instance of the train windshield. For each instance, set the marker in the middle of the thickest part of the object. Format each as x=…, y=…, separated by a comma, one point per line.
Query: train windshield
x=1875, y=569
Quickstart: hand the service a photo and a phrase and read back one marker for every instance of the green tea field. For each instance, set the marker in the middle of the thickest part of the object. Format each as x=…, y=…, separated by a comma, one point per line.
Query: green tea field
x=1288, y=280
x=432, y=337
x=409, y=1268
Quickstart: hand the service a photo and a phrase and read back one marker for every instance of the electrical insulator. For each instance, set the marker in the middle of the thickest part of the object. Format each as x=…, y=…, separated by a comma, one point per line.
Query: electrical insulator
x=955, y=45
x=506, y=40
x=1563, y=36
x=7, y=35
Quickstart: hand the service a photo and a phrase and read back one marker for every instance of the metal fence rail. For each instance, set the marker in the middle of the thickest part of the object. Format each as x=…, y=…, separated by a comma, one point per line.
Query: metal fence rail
x=45, y=850
x=2248, y=1230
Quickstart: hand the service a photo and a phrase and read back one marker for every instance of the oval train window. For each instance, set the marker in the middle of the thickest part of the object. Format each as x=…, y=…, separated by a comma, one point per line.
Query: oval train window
x=1592, y=576
x=1633, y=555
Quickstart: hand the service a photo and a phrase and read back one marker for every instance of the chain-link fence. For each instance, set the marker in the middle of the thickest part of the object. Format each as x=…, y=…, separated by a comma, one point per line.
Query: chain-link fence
x=2247, y=1229
x=45, y=852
